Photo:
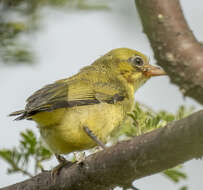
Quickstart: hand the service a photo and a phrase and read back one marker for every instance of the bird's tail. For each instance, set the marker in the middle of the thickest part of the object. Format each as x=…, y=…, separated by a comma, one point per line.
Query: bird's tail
x=21, y=113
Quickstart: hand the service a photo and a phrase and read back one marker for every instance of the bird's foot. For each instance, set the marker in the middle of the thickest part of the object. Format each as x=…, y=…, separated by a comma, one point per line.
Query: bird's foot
x=79, y=157
x=97, y=149
x=62, y=163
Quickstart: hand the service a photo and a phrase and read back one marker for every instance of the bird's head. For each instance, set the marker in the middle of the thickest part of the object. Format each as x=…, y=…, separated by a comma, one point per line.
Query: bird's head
x=132, y=66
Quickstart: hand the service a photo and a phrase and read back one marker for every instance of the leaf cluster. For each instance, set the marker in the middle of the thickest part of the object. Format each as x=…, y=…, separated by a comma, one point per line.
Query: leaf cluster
x=11, y=50
x=29, y=149
x=21, y=17
x=143, y=119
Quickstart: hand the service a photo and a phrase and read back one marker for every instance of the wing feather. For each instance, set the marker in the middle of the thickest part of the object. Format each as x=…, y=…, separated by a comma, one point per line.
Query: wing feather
x=64, y=94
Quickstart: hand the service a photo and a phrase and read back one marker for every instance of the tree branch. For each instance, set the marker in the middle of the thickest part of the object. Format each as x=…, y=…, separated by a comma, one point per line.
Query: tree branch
x=121, y=164
x=174, y=44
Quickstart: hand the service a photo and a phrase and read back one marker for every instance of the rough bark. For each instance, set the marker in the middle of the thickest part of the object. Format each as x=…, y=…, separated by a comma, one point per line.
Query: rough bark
x=174, y=44
x=121, y=164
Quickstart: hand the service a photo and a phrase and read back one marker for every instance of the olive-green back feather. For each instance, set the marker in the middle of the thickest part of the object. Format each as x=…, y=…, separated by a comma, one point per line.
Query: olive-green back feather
x=69, y=93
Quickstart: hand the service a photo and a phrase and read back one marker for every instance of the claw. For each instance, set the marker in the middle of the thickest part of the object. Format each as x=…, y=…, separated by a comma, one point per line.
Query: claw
x=62, y=163
x=79, y=157
x=56, y=170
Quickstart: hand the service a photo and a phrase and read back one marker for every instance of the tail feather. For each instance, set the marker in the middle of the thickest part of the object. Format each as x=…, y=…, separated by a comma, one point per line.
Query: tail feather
x=22, y=114
x=17, y=113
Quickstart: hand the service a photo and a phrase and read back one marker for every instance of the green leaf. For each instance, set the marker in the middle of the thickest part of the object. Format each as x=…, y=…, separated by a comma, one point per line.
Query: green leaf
x=183, y=188
x=175, y=174
x=29, y=148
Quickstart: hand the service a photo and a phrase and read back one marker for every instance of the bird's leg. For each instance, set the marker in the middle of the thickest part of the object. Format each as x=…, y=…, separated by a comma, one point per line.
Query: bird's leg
x=60, y=158
x=62, y=162
x=93, y=137
x=79, y=156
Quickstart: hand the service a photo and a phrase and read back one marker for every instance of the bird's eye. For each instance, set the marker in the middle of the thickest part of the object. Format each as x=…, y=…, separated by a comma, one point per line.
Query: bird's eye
x=137, y=61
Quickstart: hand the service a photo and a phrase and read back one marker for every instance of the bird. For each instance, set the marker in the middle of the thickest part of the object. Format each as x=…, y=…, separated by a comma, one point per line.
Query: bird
x=82, y=111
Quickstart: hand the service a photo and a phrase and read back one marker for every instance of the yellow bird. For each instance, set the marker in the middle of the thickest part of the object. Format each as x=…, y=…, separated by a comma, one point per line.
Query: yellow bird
x=80, y=112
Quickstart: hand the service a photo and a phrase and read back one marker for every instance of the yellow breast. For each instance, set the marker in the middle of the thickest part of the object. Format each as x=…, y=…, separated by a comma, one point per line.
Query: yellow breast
x=68, y=135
